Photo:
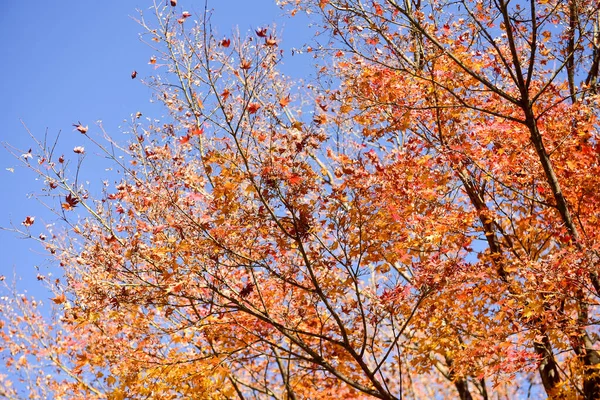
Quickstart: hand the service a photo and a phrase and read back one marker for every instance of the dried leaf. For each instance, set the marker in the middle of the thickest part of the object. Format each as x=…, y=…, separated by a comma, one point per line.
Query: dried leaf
x=261, y=32
x=60, y=299
x=79, y=127
x=70, y=202
x=28, y=221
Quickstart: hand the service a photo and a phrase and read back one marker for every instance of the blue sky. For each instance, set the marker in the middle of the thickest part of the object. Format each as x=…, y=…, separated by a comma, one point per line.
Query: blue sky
x=68, y=61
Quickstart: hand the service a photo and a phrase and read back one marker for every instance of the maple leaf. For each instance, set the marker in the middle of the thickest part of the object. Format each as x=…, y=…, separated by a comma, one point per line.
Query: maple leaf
x=225, y=94
x=70, y=202
x=134, y=74
x=270, y=41
x=247, y=289
x=184, y=139
x=245, y=65
x=79, y=127
x=319, y=119
x=28, y=221
x=283, y=102
x=225, y=43
x=253, y=108
x=173, y=3
x=195, y=131
x=110, y=239
x=60, y=299
x=295, y=179
x=261, y=32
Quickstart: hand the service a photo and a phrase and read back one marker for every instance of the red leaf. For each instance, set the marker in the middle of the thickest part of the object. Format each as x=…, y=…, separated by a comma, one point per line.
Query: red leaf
x=261, y=32
x=173, y=3
x=184, y=139
x=294, y=179
x=133, y=74
x=225, y=42
x=253, y=108
x=373, y=41
x=247, y=289
x=195, y=131
x=110, y=239
x=378, y=9
x=70, y=202
x=225, y=94
x=28, y=221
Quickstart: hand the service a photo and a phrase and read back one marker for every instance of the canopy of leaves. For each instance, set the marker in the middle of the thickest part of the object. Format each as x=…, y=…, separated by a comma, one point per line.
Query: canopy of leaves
x=419, y=222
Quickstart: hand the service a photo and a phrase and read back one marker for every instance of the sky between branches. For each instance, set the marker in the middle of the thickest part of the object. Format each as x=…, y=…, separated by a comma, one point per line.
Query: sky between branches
x=72, y=61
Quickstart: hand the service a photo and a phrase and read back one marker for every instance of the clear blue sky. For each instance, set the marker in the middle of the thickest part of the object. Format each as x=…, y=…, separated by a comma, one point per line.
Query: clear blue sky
x=68, y=61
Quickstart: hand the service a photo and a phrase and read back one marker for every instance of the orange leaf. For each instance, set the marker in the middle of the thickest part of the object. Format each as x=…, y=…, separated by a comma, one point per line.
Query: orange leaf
x=59, y=299
x=295, y=179
x=79, y=127
x=270, y=41
x=285, y=101
x=245, y=65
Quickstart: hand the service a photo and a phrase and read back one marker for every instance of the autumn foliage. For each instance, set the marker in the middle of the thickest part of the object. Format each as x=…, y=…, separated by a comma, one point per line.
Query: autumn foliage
x=421, y=222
